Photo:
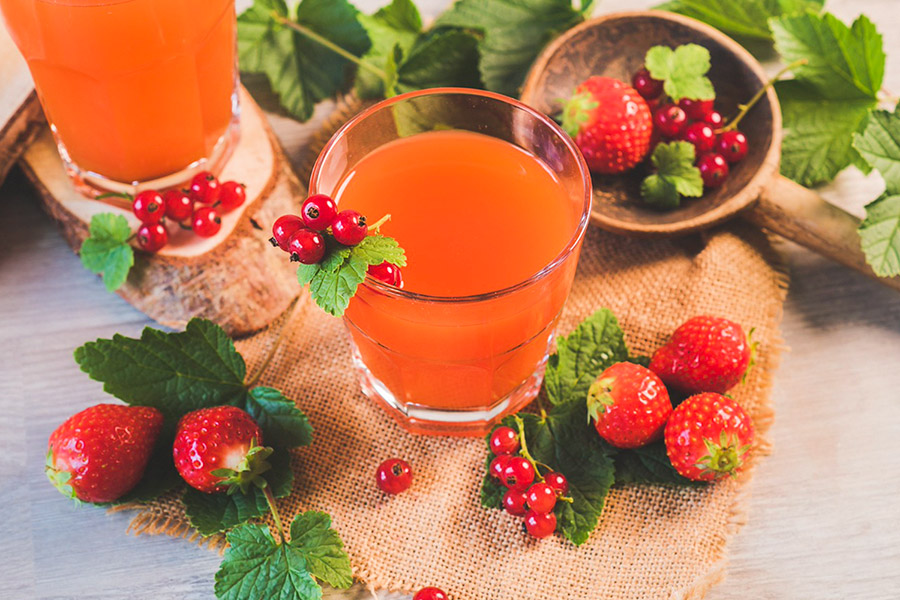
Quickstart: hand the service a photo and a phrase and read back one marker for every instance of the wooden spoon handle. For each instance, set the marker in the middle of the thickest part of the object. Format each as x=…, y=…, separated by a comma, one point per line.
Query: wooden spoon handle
x=801, y=215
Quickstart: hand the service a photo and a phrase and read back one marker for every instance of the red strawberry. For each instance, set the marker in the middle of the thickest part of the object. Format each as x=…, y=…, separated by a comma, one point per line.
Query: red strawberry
x=629, y=405
x=705, y=354
x=99, y=454
x=610, y=123
x=219, y=447
x=709, y=436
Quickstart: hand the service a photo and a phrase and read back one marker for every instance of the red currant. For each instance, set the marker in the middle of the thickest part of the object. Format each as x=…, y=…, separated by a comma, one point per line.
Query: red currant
x=179, y=205
x=504, y=440
x=514, y=503
x=306, y=246
x=393, y=476
x=388, y=273
x=670, y=120
x=518, y=474
x=714, y=119
x=732, y=145
x=701, y=136
x=283, y=228
x=149, y=206
x=540, y=525
x=430, y=593
x=713, y=169
x=204, y=188
x=152, y=236
x=318, y=212
x=696, y=109
x=231, y=195
x=541, y=498
x=349, y=227
x=498, y=465
x=558, y=482
x=206, y=221
x=646, y=86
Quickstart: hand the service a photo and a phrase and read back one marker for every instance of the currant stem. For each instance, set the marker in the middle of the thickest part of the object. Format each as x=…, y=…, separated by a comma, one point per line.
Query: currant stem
x=374, y=226
x=265, y=364
x=270, y=500
x=330, y=45
x=745, y=108
x=520, y=425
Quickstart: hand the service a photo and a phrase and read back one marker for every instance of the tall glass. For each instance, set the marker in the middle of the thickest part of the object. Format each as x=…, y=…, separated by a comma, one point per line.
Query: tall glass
x=138, y=93
x=455, y=364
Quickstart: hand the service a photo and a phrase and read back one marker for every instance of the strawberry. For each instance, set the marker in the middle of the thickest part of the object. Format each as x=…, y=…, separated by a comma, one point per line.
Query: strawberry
x=705, y=354
x=218, y=449
x=100, y=453
x=709, y=436
x=629, y=405
x=610, y=123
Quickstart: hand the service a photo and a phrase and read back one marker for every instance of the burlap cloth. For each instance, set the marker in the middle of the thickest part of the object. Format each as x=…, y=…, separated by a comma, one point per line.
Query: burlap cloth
x=653, y=542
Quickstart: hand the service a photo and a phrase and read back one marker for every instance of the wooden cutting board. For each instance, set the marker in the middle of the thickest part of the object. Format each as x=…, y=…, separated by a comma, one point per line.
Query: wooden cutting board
x=20, y=111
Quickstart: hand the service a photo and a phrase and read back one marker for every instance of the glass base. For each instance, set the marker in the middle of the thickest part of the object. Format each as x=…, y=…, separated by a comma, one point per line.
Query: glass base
x=421, y=419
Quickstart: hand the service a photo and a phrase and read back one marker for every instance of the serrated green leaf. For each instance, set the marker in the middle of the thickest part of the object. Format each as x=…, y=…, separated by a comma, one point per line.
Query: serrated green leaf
x=392, y=30
x=742, y=19
x=332, y=290
x=683, y=71
x=322, y=548
x=879, y=144
x=648, y=464
x=305, y=273
x=283, y=424
x=880, y=235
x=445, y=59
x=376, y=249
x=513, y=34
x=335, y=257
x=843, y=63
x=106, y=251
x=256, y=566
x=658, y=192
x=675, y=162
x=818, y=132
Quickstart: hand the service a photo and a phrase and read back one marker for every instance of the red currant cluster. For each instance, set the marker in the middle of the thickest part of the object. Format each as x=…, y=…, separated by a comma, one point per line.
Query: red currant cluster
x=303, y=237
x=177, y=205
x=524, y=497
x=694, y=121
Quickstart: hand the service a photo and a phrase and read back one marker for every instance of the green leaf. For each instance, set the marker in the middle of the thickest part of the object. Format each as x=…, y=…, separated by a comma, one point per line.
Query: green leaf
x=744, y=18
x=879, y=146
x=106, y=251
x=513, y=34
x=392, y=30
x=300, y=70
x=676, y=175
x=214, y=513
x=256, y=566
x=682, y=70
x=322, y=548
x=445, y=59
x=844, y=63
x=283, y=424
x=376, y=249
x=648, y=464
x=658, y=192
x=818, y=132
x=595, y=344
x=880, y=235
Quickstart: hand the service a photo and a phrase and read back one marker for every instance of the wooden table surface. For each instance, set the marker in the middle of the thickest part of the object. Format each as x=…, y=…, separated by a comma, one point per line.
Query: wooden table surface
x=824, y=512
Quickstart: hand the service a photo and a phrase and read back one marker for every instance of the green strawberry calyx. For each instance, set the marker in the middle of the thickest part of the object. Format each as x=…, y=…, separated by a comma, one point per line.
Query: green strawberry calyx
x=723, y=458
x=248, y=471
x=577, y=111
x=59, y=479
x=599, y=398
x=754, y=352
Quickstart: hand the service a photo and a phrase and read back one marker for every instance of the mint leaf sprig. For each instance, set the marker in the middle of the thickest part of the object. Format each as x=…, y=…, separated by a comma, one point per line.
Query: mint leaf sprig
x=682, y=71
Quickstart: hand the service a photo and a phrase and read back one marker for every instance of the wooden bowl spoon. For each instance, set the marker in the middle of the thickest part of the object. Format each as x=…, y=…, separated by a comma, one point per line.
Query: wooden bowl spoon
x=614, y=45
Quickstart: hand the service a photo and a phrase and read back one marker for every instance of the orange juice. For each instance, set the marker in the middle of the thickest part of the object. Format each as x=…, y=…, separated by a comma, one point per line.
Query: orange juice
x=134, y=89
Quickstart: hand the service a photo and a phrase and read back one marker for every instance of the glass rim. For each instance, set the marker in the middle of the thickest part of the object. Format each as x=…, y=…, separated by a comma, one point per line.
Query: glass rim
x=570, y=246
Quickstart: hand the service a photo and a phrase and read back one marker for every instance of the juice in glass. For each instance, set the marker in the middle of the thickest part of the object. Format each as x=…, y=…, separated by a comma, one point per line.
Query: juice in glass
x=135, y=91
x=490, y=202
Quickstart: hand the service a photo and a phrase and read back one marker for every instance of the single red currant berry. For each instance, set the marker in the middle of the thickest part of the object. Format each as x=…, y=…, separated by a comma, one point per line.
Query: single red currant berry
x=732, y=145
x=714, y=119
x=518, y=474
x=701, y=135
x=179, y=205
x=696, y=109
x=152, y=236
x=318, y=212
x=558, y=482
x=393, y=476
x=204, y=188
x=388, y=273
x=540, y=525
x=283, y=228
x=498, y=465
x=306, y=246
x=541, y=498
x=713, y=169
x=149, y=206
x=514, y=503
x=430, y=593
x=231, y=195
x=349, y=227
x=646, y=86
x=206, y=221
x=504, y=440
x=670, y=120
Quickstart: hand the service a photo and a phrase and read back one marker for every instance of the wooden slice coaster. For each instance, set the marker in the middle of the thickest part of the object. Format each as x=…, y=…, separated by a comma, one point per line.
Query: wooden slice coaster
x=20, y=111
x=235, y=278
